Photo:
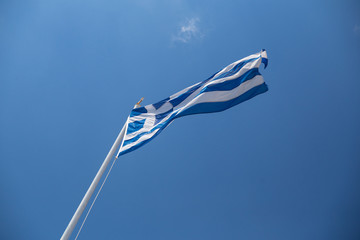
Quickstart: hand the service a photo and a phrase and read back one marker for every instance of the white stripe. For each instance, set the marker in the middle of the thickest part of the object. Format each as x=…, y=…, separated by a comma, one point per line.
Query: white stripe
x=264, y=54
x=255, y=64
x=146, y=128
x=238, y=74
x=150, y=108
x=183, y=91
x=245, y=68
x=223, y=96
x=164, y=108
x=142, y=138
x=229, y=67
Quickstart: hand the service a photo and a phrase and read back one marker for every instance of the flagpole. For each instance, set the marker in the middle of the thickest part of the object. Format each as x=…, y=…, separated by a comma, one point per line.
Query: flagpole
x=69, y=229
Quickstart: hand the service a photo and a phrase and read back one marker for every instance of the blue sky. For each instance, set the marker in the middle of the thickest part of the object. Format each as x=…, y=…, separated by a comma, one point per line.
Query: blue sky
x=284, y=165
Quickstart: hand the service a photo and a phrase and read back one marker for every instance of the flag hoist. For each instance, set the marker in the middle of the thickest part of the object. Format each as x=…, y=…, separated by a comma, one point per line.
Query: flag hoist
x=230, y=86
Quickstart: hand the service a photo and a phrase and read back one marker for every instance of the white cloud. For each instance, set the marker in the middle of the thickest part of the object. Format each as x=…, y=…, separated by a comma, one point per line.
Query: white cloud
x=356, y=29
x=188, y=31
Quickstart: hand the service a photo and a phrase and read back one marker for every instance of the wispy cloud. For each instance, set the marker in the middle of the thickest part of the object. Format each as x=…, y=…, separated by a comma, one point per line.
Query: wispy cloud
x=356, y=29
x=188, y=31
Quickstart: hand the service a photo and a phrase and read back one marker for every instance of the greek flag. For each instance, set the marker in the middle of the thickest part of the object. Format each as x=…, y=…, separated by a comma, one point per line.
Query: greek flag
x=232, y=85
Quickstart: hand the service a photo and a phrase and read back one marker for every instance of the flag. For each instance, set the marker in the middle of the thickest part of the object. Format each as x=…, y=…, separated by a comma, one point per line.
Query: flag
x=232, y=85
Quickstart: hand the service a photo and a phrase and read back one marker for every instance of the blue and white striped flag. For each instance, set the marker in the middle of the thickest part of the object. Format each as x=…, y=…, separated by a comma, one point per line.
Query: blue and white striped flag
x=232, y=85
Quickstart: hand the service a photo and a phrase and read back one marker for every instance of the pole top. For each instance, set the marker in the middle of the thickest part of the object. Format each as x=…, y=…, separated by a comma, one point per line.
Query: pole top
x=137, y=105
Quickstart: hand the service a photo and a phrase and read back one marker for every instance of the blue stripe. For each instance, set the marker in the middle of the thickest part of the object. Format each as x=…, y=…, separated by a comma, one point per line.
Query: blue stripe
x=265, y=62
x=161, y=127
x=134, y=139
x=138, y=111
x=179, y=99
x=159, y=104
x=235, y=69
x=135, y=126
x=161, y=116
x=231, y=84
x=221, y=106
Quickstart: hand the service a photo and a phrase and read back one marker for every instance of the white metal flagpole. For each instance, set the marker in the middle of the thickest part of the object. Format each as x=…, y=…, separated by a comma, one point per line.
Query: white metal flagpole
x=69, y=229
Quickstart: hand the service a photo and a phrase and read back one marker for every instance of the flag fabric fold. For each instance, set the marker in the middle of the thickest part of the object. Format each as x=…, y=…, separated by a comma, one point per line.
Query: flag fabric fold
x=232, y=85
